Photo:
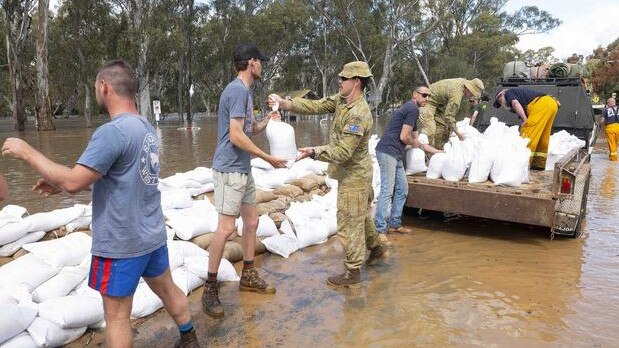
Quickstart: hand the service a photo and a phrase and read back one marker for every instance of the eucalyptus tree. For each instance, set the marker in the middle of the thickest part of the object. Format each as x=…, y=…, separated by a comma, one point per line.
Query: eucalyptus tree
x=17, y=18
x=43, y=106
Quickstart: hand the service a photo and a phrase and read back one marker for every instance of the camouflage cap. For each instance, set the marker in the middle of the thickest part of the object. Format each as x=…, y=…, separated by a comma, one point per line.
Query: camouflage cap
x=355, y=69
x=475, y=86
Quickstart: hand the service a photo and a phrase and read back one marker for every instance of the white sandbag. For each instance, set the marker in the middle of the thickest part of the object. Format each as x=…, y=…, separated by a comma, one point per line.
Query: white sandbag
x=52, y=220
x=28, y=270
x=311, y=232
x=145, y=302
x=372, y=142
x=261, y=164
x=47, y=334
x=282, y=142
x=483, y=158
x=170, y=233
x=204, y=188
x=14, y=230
x=72, y=312
x=435, y=167
x=79, y=223
x=178, y=181
x=187, y=249
x=560, y=144
x=61, y=284
x=282, y=244
x=23, y=340
x=187, y=223
x=6, y=297
x=415, y=161
x=199, y=267
x=507, y=167
x=202, y=175
x=455, y=163
x=266, y=227
x=187, y=281
x=11, y=213
x=274, y=178
x=11, y=248
x=69, y=250
x=176, y=199
x=14, y=319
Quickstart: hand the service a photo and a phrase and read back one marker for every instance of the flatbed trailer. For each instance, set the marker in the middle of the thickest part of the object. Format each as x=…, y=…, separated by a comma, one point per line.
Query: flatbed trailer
x=555, y=199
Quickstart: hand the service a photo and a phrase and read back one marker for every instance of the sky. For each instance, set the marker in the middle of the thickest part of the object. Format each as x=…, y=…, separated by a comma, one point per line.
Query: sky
x=586, y=24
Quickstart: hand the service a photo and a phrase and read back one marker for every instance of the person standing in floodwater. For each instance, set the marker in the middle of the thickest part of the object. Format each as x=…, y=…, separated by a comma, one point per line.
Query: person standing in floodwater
x=235, y=191
x=121, y=162
x=349, y=163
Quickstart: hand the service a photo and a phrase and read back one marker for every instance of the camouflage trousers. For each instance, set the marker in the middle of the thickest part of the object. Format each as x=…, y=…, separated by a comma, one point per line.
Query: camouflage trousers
x=433, y=124
x=355, y=226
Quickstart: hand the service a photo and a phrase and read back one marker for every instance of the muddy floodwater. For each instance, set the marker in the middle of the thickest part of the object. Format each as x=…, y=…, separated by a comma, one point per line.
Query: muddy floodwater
x=457, y=282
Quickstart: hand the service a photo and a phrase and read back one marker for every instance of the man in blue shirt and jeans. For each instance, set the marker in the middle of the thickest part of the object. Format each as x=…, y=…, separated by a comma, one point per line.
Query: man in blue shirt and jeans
x=121, y=162
x=401, y=131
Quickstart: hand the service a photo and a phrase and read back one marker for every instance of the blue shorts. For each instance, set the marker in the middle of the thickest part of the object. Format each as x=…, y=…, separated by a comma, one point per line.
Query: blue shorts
x=120, y=277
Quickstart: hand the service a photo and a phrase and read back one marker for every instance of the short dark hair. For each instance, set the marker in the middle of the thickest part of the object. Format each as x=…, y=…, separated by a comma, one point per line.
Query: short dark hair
x=418, y=87
x=120, y=76
x=241, y=65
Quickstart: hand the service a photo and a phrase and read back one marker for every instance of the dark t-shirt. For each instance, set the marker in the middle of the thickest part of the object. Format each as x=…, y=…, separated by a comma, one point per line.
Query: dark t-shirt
x=611, y=115
x=390, y=142
x=524, y=95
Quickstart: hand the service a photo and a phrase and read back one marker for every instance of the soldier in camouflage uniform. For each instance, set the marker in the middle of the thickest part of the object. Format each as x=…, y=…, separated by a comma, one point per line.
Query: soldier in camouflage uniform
x=349, y=163
x=438, y=118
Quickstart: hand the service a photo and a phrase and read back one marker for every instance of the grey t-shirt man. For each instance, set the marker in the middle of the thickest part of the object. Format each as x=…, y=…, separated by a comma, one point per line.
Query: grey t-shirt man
x=127, y=219
x=235, y=102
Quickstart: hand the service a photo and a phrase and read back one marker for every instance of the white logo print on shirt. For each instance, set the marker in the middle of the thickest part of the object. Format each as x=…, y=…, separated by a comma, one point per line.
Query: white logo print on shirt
x=149, y=160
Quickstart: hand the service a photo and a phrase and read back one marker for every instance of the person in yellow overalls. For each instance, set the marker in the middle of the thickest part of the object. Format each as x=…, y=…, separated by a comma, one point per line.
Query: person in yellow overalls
x=611, y=127
x=537, y=112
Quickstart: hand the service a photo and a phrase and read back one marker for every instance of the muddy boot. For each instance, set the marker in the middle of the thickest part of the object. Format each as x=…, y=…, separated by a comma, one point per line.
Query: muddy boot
x=351, y=278
x=210, y=300
x=376, y=253
x=251, y=281
x=188, y=340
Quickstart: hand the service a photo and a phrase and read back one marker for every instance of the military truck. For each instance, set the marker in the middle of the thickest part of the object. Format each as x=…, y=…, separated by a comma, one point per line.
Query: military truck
x=555, y=199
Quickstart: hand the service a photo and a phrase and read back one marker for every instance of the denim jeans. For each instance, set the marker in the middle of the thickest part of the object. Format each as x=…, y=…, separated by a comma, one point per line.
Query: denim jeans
x=393, y=191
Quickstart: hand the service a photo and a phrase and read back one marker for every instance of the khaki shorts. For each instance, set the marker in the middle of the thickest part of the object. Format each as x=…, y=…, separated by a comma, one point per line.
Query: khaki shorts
x=232, y=190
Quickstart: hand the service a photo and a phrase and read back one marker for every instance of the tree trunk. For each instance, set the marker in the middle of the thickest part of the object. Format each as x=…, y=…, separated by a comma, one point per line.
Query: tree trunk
x=43, y=108
x=87, y=104
x=144, y=83
x=86, y=85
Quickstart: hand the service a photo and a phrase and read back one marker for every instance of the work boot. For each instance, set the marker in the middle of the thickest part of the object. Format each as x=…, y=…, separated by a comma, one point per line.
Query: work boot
x=376, y=253
x=401, y=229
x=351, y=278
x=251, y=281
x=384, y=240
x=188, y=340
x=210, y=300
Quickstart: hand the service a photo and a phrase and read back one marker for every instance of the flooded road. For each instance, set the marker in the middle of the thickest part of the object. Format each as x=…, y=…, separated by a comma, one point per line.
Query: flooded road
x=460, y=283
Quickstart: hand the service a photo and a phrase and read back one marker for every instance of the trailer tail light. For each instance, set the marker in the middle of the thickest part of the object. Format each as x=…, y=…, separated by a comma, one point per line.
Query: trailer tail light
x=566, y=185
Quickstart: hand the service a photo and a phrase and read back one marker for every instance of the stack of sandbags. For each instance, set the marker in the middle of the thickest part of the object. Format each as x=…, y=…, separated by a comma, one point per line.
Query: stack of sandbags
x=560, y=144
x=196, y=181
x=16, y=230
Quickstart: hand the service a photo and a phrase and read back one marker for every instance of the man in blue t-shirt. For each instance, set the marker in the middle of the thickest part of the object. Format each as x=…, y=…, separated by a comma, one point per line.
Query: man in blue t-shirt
x=121, y=163
x=401, y=131
x=235, y=191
